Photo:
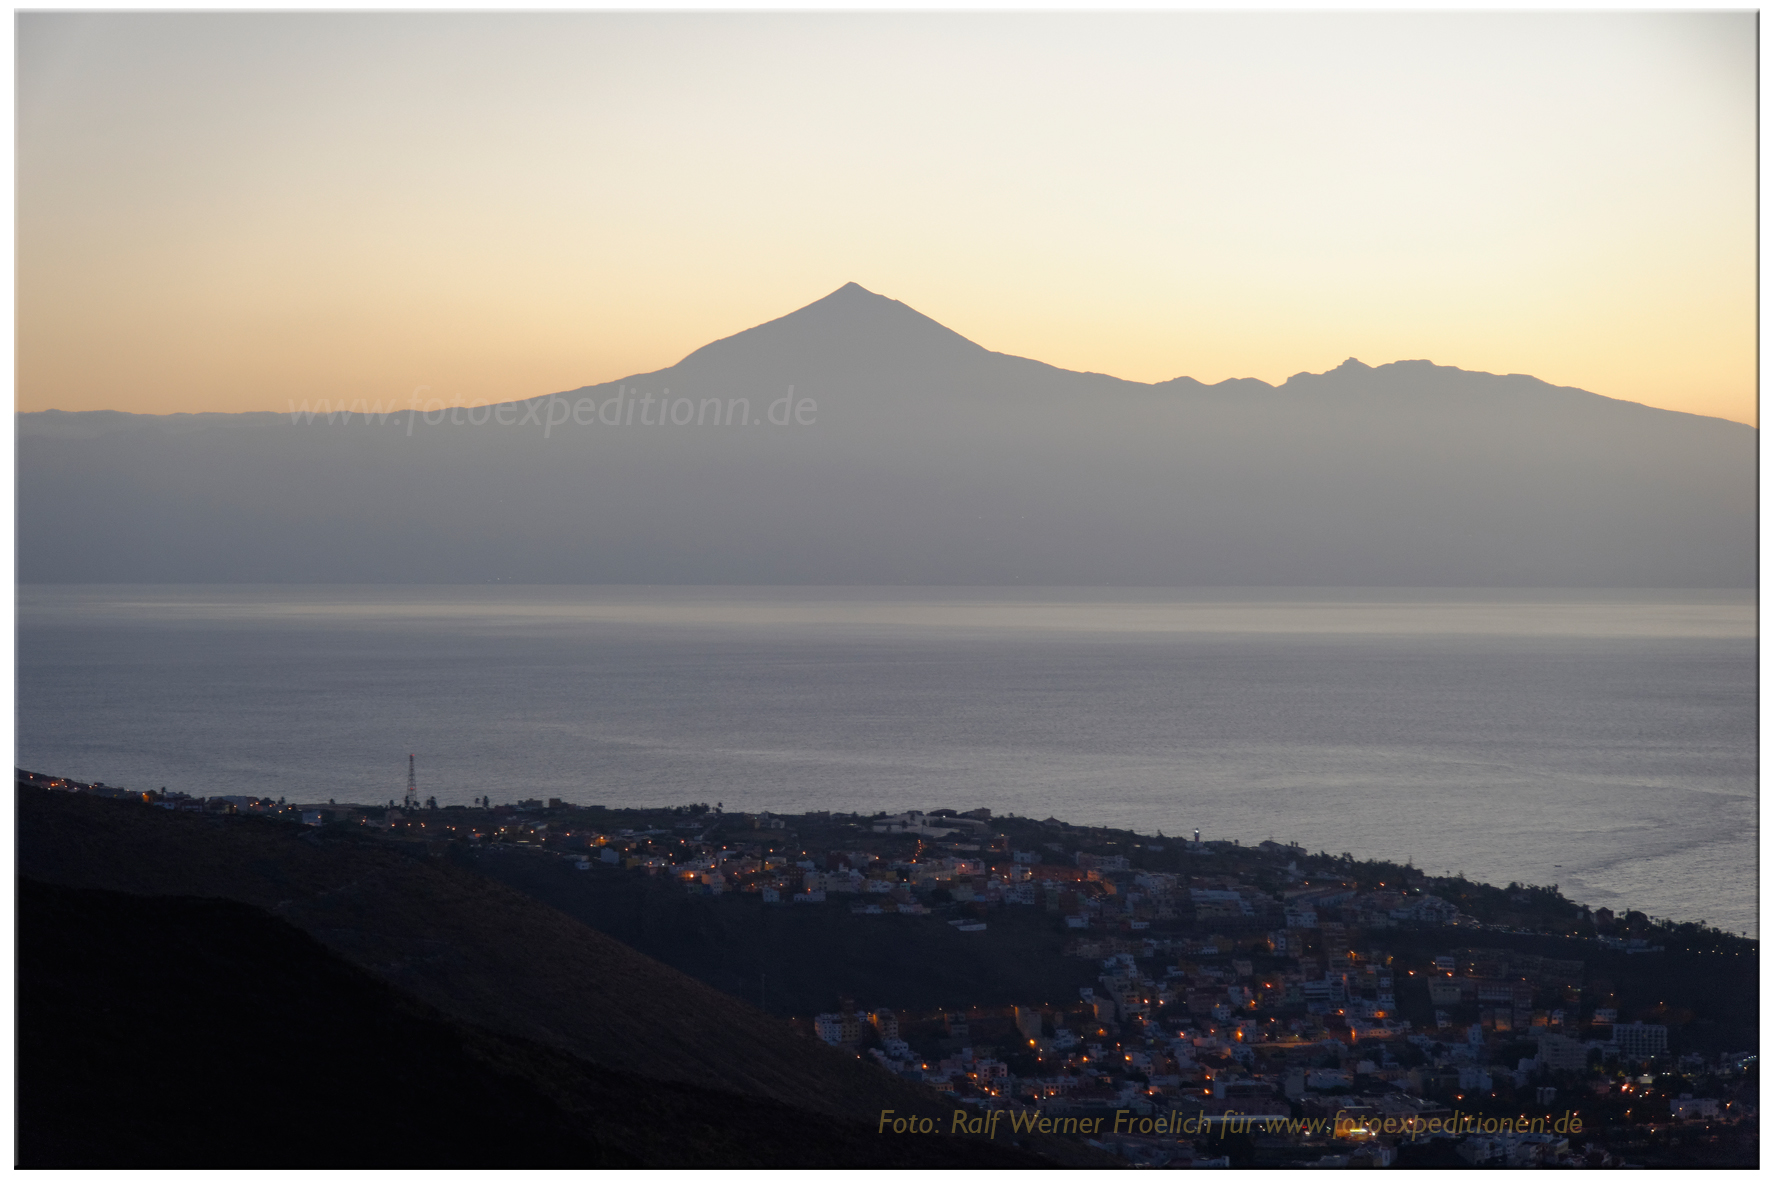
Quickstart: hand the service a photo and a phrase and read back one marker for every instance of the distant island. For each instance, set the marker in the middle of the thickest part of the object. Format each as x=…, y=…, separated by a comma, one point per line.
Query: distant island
x=1084, y=995
x=856, y=441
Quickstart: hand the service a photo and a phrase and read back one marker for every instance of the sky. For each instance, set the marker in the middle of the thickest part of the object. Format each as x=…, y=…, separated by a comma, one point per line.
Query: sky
x=233, y=212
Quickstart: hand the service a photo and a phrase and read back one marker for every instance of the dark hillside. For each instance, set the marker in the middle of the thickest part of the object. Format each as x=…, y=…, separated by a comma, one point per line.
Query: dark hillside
x=188, y=1033
x=476, y=950
x=812, y=954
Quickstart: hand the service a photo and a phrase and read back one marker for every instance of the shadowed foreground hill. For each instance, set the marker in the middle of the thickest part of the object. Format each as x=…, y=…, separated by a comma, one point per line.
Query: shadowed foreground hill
x=474, y=949
x=203, y=1033
x=814, y=955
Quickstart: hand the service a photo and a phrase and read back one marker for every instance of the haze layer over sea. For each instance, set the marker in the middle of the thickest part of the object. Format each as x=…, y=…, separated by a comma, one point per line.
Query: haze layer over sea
x=1601, y=740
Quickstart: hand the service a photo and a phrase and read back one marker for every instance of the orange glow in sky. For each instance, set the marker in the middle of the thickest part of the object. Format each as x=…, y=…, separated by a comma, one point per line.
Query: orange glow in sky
x=230, y=211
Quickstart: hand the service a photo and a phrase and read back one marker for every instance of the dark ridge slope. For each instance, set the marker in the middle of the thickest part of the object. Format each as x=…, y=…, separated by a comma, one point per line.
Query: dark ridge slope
x=203, y=1033
x=814, y=955
x=476, y=950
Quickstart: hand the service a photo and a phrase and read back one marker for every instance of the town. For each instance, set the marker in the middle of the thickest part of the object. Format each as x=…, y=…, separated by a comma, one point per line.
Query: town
x=1245, y=1004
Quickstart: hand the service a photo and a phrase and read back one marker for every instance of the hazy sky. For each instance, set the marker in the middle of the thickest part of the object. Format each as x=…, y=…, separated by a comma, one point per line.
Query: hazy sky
x=226, y=212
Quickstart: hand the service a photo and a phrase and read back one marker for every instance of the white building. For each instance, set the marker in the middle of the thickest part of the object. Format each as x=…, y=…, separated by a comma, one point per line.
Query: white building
x=1558, y=1051
x=914, y=823
x=1636, y=1040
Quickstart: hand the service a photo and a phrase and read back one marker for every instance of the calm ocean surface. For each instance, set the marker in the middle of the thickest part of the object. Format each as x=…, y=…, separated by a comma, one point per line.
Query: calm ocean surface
x=1605, y=741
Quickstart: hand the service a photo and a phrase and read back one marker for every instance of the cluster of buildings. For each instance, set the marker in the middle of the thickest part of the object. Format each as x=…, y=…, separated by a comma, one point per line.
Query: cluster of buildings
x=1269, y=1000
x=1333, y=1018
x=1265, y=1035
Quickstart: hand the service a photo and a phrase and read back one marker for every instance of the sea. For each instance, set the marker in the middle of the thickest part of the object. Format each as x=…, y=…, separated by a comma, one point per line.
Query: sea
x=1603, y=741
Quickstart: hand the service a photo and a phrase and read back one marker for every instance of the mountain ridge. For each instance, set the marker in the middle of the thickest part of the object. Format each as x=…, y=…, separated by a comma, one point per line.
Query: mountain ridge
x=857, y=441
x=852, y=314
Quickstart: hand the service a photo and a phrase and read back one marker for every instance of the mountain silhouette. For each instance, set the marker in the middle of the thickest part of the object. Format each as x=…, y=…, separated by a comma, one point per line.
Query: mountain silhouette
x=850, y=327
x=855, y=440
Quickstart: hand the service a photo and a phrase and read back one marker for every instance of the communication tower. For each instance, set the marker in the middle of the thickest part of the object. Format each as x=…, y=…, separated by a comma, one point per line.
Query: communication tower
x=412, y=781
